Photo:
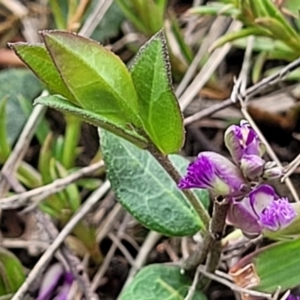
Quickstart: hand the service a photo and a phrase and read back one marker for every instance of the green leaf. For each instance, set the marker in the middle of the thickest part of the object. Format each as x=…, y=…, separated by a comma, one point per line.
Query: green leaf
x=62, y=104
x=4, y=145
x=275, y=13
x=131, y=15
x=159, y=282
x=37, y=58
x=96, y=77
x=216, y=8
x=71, y=192
x=258, y=66
x=145, y=189
x=270, y=267
x=158, y=106
x=237, y=35
x=16, y=84
x=11, y=272
x=279, y=32
x=176, y=30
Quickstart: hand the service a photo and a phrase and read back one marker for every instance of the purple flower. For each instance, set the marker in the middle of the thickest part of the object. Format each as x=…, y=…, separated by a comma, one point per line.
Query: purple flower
x=261, y=209
x=50, y=288
x=243, y=140
x=215, y=172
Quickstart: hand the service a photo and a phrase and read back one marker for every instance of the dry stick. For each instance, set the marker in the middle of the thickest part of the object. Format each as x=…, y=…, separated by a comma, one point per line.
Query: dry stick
x=66, y=257
x=233, y=286
x=150, y=241
x=238, y=93
x=95, y=17
x=116, y=239
x=45, y=191
x=203, y=76
x=291, y=168
x=193, y=287
x=81, y=212
x=101, y=271
x=168, y=166
x=249, y=92
x=21, y=147
x=215, y=31
x=210, y=240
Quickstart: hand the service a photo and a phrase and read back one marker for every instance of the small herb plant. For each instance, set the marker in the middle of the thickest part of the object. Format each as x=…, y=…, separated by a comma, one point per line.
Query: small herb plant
x=141, y=131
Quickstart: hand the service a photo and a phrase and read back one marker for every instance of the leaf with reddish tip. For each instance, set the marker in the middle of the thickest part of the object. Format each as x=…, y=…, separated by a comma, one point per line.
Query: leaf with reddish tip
x=96, y=77
x=37, y=58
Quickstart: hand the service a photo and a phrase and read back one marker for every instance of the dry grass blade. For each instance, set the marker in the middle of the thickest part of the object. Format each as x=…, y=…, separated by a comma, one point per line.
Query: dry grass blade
x=45, y=191
x=82, y=211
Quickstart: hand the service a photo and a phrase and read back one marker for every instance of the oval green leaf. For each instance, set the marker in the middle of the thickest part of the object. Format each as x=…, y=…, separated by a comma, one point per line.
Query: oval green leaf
x=158, y=106
x=146, y=190
x=159, y=282
x=96, y=77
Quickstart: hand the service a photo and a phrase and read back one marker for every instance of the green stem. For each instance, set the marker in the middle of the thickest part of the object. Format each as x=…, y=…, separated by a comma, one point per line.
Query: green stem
x=71, y=141
x=169, y=167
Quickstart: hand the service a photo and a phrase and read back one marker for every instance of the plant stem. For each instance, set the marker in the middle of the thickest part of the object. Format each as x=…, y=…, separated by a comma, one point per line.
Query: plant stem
x=169, y=167
x=72, y=135
x=211, y=240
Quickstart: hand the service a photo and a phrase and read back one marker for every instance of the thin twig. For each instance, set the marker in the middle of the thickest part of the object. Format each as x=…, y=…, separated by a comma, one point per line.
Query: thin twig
x=123, y=249
x=252, y=91
x=215, y=31
x=211, y=239
x=151, y=239
x=45, y=191
x=95, y=17
x=20, y=149
x=82, y=211
x=233, y=286
x=291, y=168
x=101, y=271
x=204, y=75
x=193, y=287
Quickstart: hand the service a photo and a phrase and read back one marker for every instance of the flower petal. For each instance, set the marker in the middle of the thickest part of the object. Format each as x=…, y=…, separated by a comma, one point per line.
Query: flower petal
x=241, y=215
x=215, y=172
x=50, y=281
x=65, y=289
x=262, y=197
x=277, y=215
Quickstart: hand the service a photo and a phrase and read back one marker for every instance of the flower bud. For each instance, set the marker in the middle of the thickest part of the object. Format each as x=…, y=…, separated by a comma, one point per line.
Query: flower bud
x=243, y=140
x=252, y=166
x=272, y=171
x=215, y=172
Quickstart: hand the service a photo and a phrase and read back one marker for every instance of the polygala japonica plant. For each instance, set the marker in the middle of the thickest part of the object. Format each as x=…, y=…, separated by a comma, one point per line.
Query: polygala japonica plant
x=141, y=130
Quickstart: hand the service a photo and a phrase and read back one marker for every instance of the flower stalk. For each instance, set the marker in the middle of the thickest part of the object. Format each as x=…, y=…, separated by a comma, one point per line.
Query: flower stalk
x=171, y=170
